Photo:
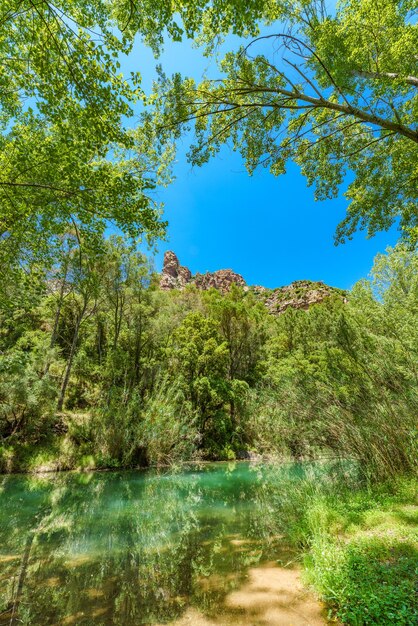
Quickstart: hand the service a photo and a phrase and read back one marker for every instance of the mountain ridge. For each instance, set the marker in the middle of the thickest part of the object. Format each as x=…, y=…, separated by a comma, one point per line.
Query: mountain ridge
x=300, y=294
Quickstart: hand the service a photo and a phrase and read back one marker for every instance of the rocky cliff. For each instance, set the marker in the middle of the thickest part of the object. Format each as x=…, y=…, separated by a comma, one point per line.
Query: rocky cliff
x=300, y=294
x=175, y=276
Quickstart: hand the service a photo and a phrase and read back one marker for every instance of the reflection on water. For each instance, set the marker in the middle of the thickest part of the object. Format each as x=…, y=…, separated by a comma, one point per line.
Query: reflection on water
x=201, y=546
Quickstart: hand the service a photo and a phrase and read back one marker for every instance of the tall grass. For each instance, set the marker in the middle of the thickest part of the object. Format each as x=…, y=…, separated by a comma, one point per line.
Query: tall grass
x=358, y=540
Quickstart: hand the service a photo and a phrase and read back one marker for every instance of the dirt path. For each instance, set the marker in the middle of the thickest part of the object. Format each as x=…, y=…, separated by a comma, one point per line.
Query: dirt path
x=271, y=596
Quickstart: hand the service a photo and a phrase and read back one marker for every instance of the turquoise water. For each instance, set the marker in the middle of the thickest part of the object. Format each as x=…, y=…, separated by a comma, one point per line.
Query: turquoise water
x=134, y=547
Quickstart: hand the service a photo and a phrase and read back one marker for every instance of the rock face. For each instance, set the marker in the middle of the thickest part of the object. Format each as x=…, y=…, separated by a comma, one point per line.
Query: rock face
x=300, y=294
x=175, y=276
x=221, y=279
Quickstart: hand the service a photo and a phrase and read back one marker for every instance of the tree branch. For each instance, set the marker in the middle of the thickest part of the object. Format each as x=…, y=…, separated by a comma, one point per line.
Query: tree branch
x=68, y=192
x=411, y=80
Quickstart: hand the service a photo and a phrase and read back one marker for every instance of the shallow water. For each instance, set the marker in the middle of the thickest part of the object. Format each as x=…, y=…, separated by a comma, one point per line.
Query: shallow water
x=202, y=546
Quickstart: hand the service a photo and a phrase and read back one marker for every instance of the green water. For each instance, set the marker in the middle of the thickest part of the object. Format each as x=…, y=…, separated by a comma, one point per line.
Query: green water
x=135, y=547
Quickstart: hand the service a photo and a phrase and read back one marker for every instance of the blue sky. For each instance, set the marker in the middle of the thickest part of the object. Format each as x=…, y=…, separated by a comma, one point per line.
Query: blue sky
x=268, y=229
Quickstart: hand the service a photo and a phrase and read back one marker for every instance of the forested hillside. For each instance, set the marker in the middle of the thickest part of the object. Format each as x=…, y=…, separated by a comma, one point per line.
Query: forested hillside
x=100, y=367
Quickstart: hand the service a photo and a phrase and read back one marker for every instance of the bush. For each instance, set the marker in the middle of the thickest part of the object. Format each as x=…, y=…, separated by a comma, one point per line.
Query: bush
x=157, y=430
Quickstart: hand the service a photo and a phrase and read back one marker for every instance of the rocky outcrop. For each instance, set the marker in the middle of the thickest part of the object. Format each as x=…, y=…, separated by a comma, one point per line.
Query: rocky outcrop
x=176, y=276
x=221, y=280
x=300, y=294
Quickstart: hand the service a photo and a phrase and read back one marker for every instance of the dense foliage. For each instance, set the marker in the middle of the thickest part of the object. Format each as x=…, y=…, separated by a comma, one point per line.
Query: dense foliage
x=99, y=367
x=69, y=153
x=333, y=89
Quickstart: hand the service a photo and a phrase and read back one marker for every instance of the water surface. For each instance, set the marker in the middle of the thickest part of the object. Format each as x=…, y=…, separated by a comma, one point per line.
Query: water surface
x=201, y=546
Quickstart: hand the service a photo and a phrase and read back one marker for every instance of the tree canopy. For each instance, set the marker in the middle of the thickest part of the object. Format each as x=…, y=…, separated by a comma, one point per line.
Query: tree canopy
x=68, y=154
x=334, y=91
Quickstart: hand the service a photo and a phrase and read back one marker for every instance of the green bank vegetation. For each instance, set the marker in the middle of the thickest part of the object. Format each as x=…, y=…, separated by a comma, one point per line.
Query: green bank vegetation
x=362, y=553
x=357, y=540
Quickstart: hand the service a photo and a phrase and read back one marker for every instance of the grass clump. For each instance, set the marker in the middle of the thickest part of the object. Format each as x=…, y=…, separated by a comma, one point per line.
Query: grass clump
x=362, y=553
x=367, y=581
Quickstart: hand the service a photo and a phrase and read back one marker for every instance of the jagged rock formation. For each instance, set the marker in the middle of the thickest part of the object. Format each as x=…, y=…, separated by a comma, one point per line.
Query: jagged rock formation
x=221, y=279
x=175, y=276
x=300, y=294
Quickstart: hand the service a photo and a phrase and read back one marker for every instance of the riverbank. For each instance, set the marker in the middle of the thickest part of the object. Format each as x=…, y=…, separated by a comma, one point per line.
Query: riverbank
x=360, y=550
x=64, y=453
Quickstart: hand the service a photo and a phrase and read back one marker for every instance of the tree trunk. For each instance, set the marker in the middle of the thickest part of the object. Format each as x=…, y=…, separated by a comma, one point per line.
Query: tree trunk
x=56, y=321
x=70, y=360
